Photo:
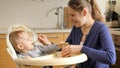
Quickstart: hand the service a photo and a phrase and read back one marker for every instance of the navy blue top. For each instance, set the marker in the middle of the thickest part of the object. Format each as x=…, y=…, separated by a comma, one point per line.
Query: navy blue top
x=98, y=46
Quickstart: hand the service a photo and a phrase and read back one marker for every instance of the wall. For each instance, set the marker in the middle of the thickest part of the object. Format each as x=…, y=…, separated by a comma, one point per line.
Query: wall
x=34, y=13
x=102, y=5
x=117, y=7
x=29, y=12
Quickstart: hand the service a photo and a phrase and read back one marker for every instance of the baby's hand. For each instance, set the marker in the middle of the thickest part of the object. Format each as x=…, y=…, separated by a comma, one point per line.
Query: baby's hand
x=43, y=39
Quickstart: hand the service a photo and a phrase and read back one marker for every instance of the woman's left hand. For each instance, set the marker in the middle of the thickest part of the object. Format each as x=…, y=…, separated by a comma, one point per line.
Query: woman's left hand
x=71, y=49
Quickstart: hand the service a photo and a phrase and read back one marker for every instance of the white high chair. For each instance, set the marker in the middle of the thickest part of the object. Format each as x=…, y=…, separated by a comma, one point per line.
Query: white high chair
x=55, y=60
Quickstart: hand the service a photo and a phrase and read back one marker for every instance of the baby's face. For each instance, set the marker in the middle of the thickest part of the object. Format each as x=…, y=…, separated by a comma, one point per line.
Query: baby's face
x=26, y=41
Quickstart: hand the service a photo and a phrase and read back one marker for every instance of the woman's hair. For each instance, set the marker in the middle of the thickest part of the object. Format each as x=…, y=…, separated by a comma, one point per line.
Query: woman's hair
x=14, y=39
x=92, y=6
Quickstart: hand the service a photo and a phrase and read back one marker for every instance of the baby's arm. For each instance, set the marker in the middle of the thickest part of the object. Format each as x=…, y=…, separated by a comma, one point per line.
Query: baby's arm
x=43, y=39
x=62, y=44
x=24, y=56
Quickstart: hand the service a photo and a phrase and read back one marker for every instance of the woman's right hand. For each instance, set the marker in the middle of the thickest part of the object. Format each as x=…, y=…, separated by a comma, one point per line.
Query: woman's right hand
x=70, y=50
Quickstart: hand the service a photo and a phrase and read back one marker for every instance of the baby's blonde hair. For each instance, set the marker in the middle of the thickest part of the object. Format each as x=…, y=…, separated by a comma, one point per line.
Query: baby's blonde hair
x=14, y=39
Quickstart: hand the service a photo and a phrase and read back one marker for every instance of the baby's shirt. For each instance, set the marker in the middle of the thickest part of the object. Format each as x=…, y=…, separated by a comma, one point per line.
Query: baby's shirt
x=39, y=50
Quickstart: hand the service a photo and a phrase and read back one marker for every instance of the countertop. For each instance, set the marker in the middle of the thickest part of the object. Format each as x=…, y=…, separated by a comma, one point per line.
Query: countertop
x=42, y=30
x=115, y=31
x=52, y=30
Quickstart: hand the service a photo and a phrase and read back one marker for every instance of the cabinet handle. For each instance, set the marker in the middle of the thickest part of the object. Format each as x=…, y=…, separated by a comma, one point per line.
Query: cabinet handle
x=2, y=37
x=52, y=37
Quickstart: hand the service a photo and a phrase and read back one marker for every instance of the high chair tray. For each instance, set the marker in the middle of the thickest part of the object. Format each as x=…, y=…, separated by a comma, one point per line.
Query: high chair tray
x=53, y=59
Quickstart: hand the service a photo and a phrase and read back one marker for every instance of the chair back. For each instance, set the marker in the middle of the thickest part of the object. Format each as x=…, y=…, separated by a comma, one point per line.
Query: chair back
x=12, y=28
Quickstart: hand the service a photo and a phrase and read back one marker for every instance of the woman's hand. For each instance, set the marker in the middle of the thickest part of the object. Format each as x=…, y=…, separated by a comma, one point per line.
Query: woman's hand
x=70, y=50
x=43, y=39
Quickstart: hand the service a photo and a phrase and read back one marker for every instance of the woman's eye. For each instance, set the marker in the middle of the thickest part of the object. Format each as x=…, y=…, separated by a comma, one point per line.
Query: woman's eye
x=72, y=15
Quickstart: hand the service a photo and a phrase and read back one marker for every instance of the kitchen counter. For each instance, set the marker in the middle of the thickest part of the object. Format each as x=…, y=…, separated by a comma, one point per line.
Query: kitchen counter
x=41, y=30
x=52, y=30
x=115, y=31
x=3, y=30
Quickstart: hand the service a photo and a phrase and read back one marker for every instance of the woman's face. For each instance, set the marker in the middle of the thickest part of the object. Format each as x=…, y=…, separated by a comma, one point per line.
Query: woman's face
x=77, y=18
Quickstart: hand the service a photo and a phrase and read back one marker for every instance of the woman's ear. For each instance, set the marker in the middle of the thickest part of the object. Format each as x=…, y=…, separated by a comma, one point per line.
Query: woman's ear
x=20, y=46
x=84, y=12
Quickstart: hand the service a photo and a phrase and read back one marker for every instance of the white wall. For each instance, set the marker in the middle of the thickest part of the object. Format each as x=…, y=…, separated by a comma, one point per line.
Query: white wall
x=34, y=12
x=117, y=7
x=29, y=12
x=102, y=5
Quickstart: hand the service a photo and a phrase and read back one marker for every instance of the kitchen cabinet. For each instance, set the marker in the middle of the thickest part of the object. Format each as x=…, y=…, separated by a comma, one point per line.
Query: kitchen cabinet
x=117, y=64
x=67, y=18
x=5, y=59
x=56, y=37
x=116, y=39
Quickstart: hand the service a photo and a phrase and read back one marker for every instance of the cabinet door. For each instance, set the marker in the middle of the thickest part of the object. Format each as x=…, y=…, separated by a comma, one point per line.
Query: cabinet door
x=67, y=18
x=117, y=64
x=2, y=42
x=5, y=59
x=116, y=39
x=65, y=36
x=55, y=37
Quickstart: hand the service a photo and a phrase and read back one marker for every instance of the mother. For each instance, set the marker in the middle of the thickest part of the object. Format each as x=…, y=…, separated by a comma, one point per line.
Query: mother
x=89, y=35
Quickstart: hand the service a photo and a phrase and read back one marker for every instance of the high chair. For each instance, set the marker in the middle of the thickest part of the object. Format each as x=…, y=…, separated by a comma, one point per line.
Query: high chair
x=55, y=60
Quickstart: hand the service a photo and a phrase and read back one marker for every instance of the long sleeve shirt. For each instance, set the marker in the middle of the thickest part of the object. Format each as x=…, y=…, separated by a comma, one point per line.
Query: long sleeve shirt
x=98, y=46
x=39, y=50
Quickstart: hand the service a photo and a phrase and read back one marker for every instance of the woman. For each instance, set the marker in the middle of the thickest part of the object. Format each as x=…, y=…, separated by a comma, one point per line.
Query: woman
x=89, y=35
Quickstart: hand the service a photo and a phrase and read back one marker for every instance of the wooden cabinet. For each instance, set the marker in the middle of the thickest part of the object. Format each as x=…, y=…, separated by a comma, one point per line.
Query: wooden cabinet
x=116, y=39
x=117, y=64
x=56, y=37
x=67, y=18
x=65, y=36
x=5, y=59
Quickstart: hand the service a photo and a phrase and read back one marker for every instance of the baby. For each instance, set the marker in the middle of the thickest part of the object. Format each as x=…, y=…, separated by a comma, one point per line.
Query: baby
x=25, y=48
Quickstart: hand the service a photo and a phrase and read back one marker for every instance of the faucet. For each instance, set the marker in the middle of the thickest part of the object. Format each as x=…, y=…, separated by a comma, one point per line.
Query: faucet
x=59, y=13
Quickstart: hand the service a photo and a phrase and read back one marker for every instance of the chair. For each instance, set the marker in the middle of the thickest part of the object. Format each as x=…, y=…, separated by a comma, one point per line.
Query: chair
x=55, y=60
